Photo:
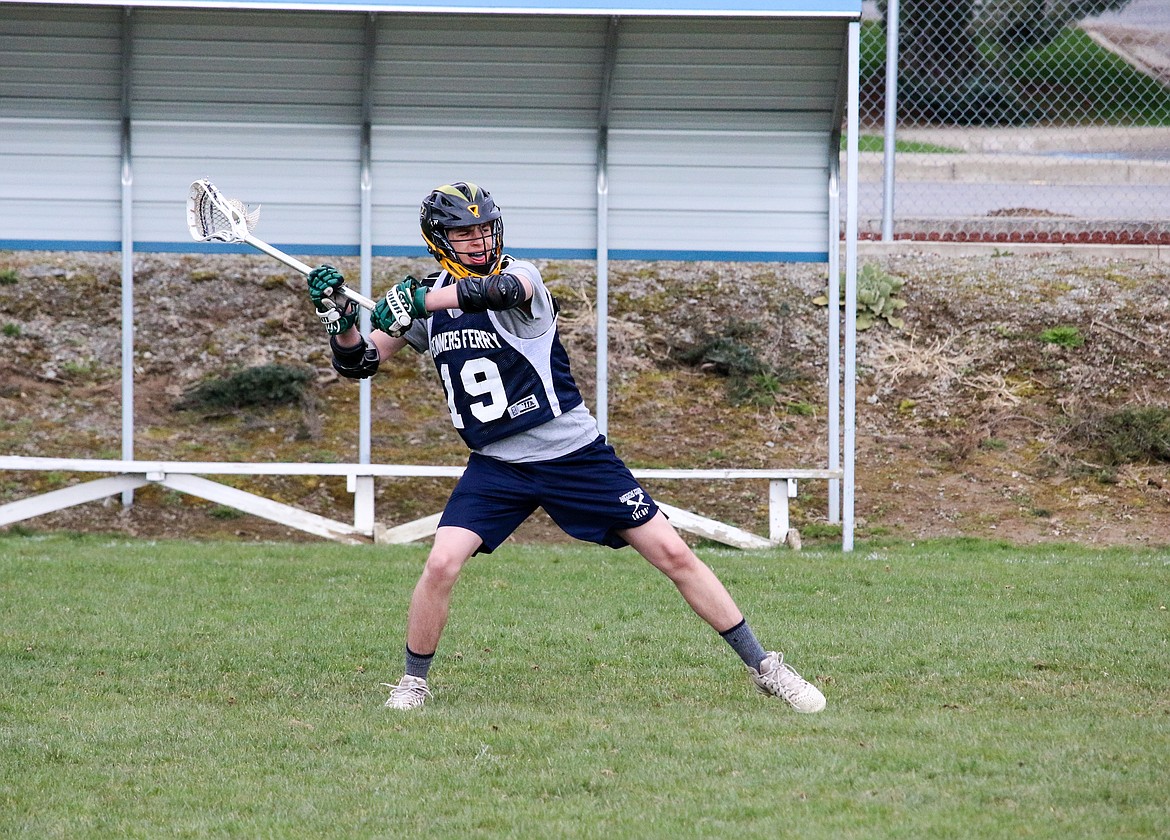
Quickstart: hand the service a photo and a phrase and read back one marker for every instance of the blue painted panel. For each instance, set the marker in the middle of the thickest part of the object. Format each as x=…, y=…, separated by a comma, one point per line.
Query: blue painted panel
x=186, y=247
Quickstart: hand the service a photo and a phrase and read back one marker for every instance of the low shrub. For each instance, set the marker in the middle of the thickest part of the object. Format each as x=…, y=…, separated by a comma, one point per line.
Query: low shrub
x=262, y=385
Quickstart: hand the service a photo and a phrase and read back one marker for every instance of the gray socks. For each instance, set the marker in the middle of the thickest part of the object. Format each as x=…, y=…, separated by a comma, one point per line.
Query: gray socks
x=417, y=665
x=744, y=642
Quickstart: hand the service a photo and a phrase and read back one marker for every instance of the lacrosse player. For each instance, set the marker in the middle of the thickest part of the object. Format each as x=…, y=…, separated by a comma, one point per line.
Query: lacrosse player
x=491, y=328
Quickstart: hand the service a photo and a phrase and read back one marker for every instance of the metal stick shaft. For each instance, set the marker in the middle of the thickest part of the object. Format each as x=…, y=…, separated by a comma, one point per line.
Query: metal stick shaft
x=292, y=262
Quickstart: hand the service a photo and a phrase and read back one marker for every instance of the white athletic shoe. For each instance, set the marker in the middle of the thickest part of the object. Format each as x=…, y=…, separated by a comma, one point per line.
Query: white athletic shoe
x=780, y=680
x=410, y=693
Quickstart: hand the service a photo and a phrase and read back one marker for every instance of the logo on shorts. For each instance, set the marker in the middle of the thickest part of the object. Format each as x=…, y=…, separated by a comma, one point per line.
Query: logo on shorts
x=525, y=405
x=636, y=499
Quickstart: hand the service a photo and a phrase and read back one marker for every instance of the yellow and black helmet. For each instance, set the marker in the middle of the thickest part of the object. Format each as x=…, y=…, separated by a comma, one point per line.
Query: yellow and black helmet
x=462, y=204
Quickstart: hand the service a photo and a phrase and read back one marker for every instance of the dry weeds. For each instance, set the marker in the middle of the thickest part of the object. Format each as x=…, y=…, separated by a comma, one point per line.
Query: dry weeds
x=967, y=403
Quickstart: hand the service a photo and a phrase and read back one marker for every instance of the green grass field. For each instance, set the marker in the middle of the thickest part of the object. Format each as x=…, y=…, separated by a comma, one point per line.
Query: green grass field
x=181, y=689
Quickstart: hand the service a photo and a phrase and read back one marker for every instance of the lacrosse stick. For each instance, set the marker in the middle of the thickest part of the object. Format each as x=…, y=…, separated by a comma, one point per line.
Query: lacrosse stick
x=210, y=216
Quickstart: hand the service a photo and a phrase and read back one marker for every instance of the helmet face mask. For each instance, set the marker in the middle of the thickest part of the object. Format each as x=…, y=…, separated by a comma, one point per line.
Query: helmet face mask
x=462, y=205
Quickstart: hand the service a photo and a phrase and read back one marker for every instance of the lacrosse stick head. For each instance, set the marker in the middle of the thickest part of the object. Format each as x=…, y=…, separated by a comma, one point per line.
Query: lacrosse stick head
x=210, y=216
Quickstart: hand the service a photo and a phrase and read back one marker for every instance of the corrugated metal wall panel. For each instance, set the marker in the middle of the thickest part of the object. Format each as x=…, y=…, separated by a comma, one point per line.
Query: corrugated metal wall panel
x=740, y=74
x=489, y=70
x=60, y=62
x=61, y=180
x=305, y=176
x=682, y=191
x=729, y=117
x=62, y=177
x=544, y=180
x=247, y=66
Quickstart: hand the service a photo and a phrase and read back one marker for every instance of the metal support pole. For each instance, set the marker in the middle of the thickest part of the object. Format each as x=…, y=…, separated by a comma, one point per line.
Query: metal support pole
x=891, y=123
x=366, y=225
x=850, y=414
x=602, y=408
x=834, y=316
x=127, y=252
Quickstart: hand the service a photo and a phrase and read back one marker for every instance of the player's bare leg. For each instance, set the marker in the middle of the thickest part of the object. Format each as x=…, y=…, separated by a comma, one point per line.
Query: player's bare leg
x=659, y=543
x=432, y=594
x=429, y=606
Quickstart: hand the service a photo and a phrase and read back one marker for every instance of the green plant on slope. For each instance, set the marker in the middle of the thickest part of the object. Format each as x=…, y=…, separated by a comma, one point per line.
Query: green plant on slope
x=1063, y=336
x=876, y=299
x=750, y=379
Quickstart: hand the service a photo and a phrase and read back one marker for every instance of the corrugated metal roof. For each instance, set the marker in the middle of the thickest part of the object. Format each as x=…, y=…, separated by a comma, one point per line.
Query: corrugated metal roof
x=666, y=8
x=718, y=130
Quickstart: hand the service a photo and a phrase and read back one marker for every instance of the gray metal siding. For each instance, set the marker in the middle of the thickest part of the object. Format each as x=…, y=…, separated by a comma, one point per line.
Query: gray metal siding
x=718, y=142
x=683, y=192
x=61, y=181
x=60, y=62
x=545, y=181
x=740, y=74
x=60, y=106
x=305, y=177
x=489, y=70
x=300, y=67
x=508, y=102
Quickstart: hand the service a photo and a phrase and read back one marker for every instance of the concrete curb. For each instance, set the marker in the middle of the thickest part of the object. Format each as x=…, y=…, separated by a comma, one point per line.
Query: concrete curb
x=1145, y=253
x=1013, y=169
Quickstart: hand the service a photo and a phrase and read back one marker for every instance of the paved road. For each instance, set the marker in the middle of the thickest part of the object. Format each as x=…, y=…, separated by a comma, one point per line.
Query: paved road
x=1139, y=33
x=1143, y=14
x=1104, y=177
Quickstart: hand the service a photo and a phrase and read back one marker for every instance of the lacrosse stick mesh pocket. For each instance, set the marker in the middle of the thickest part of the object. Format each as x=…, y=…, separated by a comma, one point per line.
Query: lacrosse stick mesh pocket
x=219, y=218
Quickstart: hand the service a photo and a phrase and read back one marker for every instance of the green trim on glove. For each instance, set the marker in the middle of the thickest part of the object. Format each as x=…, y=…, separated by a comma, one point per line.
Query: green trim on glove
x=403, y=304
x=335, y=319
x=413, y=296
x=324, y=281
x=416, y=296
x=336, y=312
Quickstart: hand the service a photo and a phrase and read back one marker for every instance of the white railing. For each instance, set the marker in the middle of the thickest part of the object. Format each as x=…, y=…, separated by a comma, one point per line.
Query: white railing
x=185, y=477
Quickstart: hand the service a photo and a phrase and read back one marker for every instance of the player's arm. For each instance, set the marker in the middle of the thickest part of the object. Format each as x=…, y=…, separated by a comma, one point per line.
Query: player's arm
x=387, y=345
x=412, y=300
x=496, y=292
x=359, y=358
x=354, y=356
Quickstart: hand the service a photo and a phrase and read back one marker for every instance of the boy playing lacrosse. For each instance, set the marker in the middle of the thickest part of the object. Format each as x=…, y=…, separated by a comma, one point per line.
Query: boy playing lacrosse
x=491, y=328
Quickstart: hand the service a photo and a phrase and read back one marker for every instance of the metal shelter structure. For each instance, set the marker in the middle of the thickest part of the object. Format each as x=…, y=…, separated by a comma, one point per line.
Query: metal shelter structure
x=682, y=130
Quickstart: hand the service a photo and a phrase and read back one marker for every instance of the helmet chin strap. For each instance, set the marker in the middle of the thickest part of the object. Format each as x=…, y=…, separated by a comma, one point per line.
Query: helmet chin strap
x=486, y=268
x=459, y=270
x=444, y=252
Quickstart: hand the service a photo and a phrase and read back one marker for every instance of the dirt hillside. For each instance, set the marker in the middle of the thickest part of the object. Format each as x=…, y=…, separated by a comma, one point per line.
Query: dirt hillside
x=1024, y=397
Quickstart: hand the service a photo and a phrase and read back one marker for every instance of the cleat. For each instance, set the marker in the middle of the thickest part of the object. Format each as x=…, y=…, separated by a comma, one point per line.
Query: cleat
x=780, y=680
x=410, y=693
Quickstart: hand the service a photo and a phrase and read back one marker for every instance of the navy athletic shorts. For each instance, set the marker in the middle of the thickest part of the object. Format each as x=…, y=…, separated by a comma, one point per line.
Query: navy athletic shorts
x=589, y=493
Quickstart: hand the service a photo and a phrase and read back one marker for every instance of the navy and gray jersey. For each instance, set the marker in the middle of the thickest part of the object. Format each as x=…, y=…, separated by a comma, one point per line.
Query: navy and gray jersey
x=506, y=375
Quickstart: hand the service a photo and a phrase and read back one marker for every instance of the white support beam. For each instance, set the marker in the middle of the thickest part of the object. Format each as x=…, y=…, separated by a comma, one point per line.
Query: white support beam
x=265, y=508
x=78, y=494
x=608, y=64
x=408, y=532
x=362, y=487
x=712, y=529
x=181, y=476
x=849, y=428
x=779, y=492
x=127, y=296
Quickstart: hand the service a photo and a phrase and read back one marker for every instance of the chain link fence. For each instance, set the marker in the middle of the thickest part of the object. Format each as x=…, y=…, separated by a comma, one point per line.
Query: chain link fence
x=1018, y=121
